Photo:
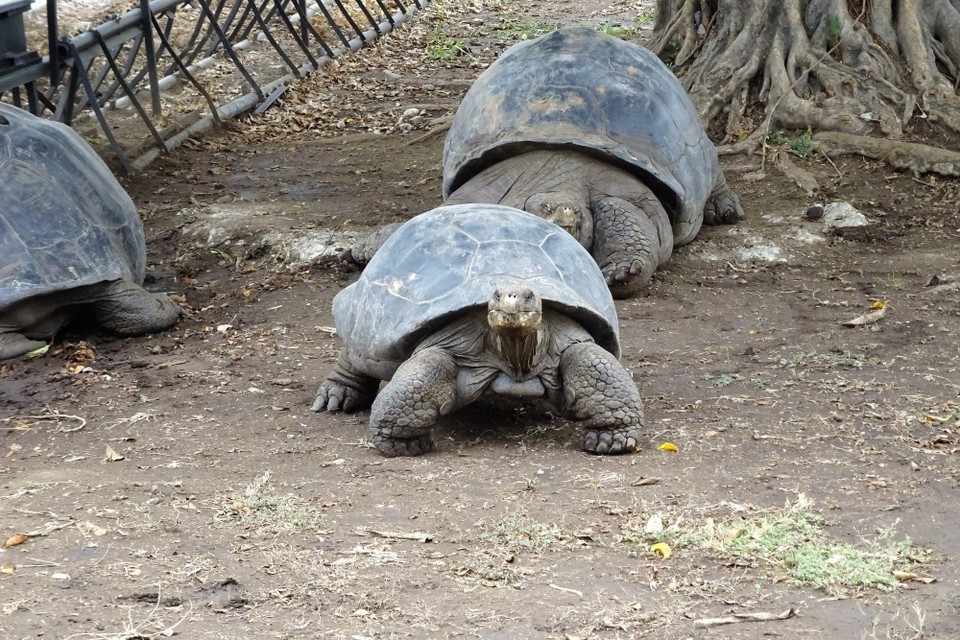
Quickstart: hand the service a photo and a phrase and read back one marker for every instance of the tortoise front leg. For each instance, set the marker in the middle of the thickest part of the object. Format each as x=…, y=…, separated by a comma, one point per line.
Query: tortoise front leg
x=403, y=414
x=345, y=389
x=723, y=206
x=599, y=391
x=14, y=344
x=630, y=240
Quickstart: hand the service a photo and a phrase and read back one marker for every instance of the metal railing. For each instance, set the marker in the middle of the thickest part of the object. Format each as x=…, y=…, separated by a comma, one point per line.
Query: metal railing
x=171, y=68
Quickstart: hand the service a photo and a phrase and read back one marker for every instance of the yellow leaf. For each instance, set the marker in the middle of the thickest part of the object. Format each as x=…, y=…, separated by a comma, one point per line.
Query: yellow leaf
x=668, y=446
x=7, y=570
x=879, y=304
x=661, y=548
x=36, y=353
x=14, y=540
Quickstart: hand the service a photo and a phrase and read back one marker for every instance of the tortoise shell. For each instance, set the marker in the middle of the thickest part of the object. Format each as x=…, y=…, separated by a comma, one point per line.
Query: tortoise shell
x=448, y=261
x=581, y=89
x=65, y=221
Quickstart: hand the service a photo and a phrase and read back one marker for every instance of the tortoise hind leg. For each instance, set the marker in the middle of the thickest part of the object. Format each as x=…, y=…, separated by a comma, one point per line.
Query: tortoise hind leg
x=13, y=345
x=723, y=206
x=403, y=414
x=130, y=310
x=599, y=391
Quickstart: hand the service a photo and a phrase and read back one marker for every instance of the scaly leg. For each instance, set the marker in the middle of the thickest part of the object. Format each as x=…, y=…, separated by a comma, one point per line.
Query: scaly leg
x=599, y=391
x=345, y=389
x=403, y=414
x=723, y=206
x=630, y=241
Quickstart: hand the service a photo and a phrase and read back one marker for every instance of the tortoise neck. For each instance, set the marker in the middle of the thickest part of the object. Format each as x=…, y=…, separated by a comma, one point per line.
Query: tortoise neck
x=518, y=349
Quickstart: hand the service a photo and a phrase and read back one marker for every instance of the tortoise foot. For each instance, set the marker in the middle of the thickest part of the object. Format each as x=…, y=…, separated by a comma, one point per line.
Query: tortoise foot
x=395, y=447
x=611, y=441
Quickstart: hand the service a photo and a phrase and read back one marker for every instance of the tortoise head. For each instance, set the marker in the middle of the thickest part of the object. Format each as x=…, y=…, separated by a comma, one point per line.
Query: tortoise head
x=565, y=209
x=514, y=311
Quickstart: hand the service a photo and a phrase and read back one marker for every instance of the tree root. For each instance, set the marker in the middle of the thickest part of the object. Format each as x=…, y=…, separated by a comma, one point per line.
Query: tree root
x=844, y=66
x=918, y=158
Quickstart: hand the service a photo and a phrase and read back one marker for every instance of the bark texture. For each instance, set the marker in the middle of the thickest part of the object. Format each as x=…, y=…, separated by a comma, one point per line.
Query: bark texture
x=850, y=66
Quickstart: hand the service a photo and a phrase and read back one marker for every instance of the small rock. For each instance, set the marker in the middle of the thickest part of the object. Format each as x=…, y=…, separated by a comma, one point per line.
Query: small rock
x=842, y=215
x=814, y=212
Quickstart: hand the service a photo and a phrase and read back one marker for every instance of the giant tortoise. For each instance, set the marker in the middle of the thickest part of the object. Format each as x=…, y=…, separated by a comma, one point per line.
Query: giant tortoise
x=596, y=134
x=71, y=241
x=475, y=298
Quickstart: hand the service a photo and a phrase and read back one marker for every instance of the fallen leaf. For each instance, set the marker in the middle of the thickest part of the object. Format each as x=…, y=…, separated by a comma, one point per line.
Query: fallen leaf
x=14, y=540
x=661, y=548
x=668, y=446
x=113, y=456
x=7, y=570
x=868, y=318
x=36, y=353
x=907, y=576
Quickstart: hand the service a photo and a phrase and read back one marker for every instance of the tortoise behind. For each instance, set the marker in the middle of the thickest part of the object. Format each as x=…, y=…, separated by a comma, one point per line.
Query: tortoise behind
x=71, y=241
x=598, y=135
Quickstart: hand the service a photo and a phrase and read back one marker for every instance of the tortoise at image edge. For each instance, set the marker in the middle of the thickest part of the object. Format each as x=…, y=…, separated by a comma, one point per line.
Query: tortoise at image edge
x=596, y=134
x=71, y=240
x=476, y=298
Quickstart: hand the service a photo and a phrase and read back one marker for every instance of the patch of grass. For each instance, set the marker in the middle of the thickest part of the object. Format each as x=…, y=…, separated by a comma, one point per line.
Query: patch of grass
x=516, y=532
x=793, y=542
x=440, y=46
x=838, y=358
x=722, y=380
x=525, y=28
x=800, y=145
x=615, y=31
x=644, y=17
x=262, y=511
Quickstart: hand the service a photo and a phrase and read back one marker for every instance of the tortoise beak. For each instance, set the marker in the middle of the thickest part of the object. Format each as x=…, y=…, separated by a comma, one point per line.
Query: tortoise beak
x=514, y=310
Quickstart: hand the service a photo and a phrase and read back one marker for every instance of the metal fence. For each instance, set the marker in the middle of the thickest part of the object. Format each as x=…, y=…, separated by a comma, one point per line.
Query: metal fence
x=169, y=68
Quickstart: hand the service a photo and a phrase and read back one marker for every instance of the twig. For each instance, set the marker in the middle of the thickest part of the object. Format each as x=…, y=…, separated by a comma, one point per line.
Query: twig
x=745, y=617
x=419, y=536
x=559, y=588
x=56, y=415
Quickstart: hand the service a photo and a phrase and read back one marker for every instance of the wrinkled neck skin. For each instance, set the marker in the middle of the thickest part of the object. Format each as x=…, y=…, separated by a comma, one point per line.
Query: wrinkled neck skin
x=518, y=349
x=515, y=318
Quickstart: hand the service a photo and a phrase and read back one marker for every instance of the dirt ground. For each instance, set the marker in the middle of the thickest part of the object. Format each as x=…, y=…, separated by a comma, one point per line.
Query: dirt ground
x=178, y=484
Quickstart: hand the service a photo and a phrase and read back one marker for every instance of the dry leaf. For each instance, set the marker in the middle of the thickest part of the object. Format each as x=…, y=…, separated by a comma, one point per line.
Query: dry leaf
x=14, y=540
x=879, y=309
x=113, y=456
x=907, y=576
x=7, y=570
x=668, y=446
x=661, y=548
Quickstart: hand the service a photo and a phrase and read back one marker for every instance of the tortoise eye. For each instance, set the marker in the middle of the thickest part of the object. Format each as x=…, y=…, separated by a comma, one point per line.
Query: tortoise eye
x=496, y=296
x=545, y=207
x=528, y=298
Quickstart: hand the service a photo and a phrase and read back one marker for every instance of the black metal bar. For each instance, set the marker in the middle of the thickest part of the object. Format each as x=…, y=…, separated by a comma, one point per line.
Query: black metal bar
x=373, y=23
x=151, y=55
x=386, y=12
x=130, y=92
x=52, y=41
x=346, y=14
x=333, y=24
x=185, y=71
x=308, y=28
x=230, y=51
x=78, y=70
x=301, y=41
x=266, y=32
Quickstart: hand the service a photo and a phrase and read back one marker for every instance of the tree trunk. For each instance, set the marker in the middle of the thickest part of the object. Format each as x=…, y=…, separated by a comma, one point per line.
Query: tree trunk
x=852, y=66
